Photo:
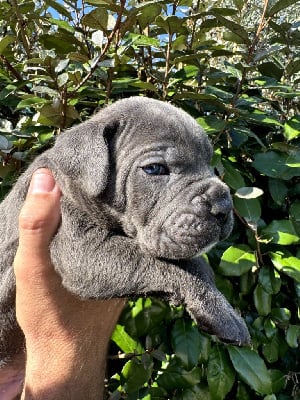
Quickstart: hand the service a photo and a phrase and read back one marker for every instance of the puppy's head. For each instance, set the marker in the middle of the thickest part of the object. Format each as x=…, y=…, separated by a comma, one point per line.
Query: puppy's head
x=161, y=182
x=147, y=164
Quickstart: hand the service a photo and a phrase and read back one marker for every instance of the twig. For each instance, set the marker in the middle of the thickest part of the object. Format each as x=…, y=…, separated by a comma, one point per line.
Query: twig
x=261, y=26
x=104, y=51
x=21, y=23
x=251, y=49
x=15, y=73
x=168, y=54
x=258, y=254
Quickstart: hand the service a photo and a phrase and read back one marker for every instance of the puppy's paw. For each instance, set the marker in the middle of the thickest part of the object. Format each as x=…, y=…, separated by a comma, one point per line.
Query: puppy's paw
x=216, y=317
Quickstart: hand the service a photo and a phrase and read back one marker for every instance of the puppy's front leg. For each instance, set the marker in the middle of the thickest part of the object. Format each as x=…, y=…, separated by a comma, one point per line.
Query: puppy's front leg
x=116, y=267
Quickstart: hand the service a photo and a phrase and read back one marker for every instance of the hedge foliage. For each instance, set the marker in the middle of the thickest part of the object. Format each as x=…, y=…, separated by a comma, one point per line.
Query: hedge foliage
x=234, y=66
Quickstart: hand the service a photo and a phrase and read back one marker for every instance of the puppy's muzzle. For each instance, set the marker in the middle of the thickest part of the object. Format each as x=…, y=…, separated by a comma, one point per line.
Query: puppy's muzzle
x=195, y=220
x=219, y=204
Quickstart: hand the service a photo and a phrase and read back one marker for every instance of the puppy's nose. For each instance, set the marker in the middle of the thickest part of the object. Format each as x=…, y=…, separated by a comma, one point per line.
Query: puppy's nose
x=221, y=210
x=220, y=203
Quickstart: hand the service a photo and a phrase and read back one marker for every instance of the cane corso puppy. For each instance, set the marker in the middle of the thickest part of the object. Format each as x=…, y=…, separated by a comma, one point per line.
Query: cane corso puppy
x=140, y=204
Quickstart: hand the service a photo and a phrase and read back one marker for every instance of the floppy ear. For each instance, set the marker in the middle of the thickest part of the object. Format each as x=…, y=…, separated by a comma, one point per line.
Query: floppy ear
x=81, y=154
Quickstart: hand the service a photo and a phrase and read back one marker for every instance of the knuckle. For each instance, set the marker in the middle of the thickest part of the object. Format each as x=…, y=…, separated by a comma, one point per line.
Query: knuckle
x=32, y=222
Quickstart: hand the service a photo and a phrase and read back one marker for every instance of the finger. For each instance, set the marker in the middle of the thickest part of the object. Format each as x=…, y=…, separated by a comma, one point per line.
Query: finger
x=40, y=214
x=38, y=221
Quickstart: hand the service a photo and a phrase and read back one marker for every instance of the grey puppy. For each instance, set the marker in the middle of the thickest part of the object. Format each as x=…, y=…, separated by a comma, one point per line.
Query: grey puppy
x=140, y=202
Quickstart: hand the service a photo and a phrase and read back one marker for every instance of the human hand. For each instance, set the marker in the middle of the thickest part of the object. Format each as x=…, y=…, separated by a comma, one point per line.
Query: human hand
x=66, y=338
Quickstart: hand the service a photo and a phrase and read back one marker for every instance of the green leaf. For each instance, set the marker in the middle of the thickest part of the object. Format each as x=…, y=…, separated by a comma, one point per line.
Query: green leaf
x=52, y=115
x=287, y=264
x=142, y=40
x=6, y=41
x=243, y=392
x=278, y=380
x=4, y=143
x=237, y=260
x=211, y=124
x=62, y=79
x=220, y=374
x=292, y=336
x=270, y=397
x=233, y=37
x=293, y=67
x=281, y=315
x=278, y=190
x=261, y=117
x=55, y=42
x=271, y=349
x=6, y=126
x=6, y=91
x=271, y=69
x=281, y=232
x=292, y=128
x=249, y=192
x=249, y=209
x=280, y=5
x=135, y=375
x=126, y=342
x=202, y=98
x=262, y=300
x=278, y=165
x=233, y=27
x=219, y=93
x=251, y=368
x=62, y=65
x=82, y=58
x=96, y=19
x=175, y=377
x=32, y=101
x=266, y=52
x=269, y=280
x=145, y=18
x=59, y=8
x=62, y=25
x=232, y=176
x=270, y=327
x=295, y=211
x=145, y=315
x=205, y=346
x=170, y=24
x=198, y=392
x=186, y=342
x=44, y=90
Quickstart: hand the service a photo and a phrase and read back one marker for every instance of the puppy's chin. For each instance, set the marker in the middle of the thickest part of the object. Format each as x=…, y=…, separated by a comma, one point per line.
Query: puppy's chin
x=168, y=248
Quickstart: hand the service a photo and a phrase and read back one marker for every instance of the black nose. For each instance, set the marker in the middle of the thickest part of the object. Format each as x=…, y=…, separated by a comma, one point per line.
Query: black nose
x=220, y=203
x=222, y=218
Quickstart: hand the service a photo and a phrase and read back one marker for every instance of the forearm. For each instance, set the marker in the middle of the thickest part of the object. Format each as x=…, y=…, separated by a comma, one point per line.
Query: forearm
x=71, y=364
x=75, y=371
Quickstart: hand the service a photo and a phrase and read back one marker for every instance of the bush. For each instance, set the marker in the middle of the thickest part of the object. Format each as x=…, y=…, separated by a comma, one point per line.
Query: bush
x=234, y=66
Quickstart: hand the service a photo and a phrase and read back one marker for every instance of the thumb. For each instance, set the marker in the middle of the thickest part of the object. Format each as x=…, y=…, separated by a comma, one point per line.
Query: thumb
x=39, y=218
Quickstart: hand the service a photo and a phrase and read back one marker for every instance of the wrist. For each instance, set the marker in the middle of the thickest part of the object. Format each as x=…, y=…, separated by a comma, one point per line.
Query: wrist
x=64, y=369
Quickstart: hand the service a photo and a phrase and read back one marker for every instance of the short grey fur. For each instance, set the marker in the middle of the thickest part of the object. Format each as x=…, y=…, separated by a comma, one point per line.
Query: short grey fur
x=126, y=231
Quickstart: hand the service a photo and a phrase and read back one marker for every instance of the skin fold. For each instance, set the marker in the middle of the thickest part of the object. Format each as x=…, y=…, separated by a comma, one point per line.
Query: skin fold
x=139, y=204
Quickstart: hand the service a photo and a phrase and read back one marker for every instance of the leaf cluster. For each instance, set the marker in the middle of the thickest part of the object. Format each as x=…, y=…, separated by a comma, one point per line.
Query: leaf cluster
x=235, y=67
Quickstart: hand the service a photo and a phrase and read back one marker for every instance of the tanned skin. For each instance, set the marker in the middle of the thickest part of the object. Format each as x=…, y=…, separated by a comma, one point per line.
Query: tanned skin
x=66, y=338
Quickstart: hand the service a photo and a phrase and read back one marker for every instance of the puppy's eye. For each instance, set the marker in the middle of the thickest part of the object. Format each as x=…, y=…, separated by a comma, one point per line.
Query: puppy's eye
x=156, y=169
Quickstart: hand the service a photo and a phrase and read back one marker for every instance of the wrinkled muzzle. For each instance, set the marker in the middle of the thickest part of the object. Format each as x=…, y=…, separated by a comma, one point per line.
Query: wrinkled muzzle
x=194, y=221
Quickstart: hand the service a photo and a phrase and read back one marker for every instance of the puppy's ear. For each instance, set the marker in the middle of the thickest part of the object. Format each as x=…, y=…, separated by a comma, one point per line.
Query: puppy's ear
x=82, y=155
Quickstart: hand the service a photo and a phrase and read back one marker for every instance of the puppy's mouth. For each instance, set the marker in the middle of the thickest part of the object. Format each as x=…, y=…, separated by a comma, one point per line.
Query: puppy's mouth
x=185, y=235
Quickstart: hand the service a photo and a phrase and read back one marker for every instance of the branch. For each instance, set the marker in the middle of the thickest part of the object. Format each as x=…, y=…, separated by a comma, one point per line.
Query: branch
x=104, y=51
x=251, y=49
x=21, y=23
x=261, y=26
x=15, y=73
